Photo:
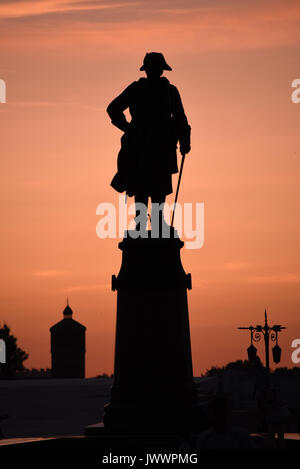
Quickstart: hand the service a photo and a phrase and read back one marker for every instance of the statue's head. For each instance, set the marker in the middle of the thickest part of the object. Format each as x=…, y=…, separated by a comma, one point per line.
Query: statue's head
x=154, y=64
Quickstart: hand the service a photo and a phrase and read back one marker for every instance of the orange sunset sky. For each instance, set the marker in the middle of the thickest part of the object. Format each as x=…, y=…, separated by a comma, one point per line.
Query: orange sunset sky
x=233, y=62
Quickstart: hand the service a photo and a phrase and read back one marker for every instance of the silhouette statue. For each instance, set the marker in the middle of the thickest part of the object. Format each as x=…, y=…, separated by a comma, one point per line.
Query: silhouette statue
x=153, y=390
x=148, y=155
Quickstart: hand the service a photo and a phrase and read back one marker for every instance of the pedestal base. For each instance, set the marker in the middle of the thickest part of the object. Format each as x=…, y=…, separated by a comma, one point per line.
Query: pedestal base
x=153, y=388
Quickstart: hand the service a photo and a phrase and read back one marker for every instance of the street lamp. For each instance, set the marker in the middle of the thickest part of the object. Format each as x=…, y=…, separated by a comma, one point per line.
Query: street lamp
x=267, y=333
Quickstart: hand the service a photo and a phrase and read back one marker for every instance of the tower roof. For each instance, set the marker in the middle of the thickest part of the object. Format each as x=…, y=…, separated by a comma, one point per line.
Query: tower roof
x=70, y=323
x=67, y=312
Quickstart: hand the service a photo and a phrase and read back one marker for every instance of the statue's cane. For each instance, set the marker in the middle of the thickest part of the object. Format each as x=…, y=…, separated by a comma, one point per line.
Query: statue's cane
x=178, y=184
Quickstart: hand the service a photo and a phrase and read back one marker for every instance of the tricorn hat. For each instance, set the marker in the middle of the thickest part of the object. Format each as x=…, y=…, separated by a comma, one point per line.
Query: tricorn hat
x=155, y=59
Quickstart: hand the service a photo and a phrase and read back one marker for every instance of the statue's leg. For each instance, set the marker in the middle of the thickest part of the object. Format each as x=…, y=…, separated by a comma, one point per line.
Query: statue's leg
x=157, y=216
x=141, y=211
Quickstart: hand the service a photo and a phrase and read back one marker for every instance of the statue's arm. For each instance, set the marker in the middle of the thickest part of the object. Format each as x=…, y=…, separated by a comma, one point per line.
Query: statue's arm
x=117, y=107
x=182, y=125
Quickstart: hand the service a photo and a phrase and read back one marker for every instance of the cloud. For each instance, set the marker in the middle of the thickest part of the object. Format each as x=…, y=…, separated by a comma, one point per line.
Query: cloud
x=228, y=266
x=236, y=266
x=54, y=104
x=30, y=8
x=98, y=286
x=275, y=278
x=209, y=24
x=51, y=273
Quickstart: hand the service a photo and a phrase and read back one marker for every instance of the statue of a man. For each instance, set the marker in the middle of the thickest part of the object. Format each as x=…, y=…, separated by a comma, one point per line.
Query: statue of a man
x=148, y=156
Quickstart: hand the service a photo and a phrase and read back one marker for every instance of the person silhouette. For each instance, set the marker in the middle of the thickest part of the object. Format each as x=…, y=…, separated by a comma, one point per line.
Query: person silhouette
x=222, y=434
x=148, y=155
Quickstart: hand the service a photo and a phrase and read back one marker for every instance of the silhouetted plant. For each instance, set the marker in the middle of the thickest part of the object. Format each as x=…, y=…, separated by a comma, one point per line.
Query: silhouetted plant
x=246, y=366
x=15, y=356
x=238, y=365
x=284, y=371
x=214, y=371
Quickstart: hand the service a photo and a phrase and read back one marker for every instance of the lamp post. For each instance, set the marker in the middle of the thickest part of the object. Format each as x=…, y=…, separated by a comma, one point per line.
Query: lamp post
x=268, y=333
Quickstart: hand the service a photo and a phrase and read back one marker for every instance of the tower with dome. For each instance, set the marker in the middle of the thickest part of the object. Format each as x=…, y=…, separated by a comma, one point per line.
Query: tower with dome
x=68, y=347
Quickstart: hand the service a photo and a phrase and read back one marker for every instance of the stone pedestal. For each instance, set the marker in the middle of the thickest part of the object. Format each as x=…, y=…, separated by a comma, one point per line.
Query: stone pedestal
x=153, y=390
